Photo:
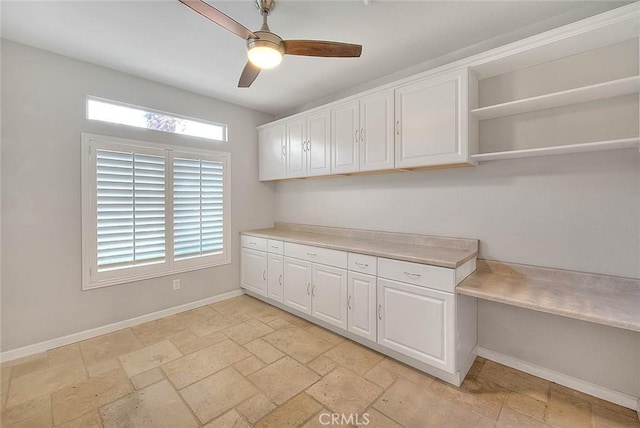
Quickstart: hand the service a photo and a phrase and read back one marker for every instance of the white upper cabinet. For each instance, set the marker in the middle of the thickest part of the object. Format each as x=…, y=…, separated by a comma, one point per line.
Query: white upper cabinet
x=272, y=152
x=431, y=121
x=345, y=137
x=318, y=147
x=376, y=131
x=296, y=147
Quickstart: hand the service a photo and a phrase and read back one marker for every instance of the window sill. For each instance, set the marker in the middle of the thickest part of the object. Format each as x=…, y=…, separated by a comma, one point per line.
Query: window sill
x=134, y=278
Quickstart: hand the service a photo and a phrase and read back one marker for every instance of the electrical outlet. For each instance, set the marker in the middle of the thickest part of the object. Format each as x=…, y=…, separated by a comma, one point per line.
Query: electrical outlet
x=176, y=284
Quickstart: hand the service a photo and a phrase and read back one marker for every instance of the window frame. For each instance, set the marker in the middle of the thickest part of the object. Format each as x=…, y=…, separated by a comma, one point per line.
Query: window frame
x=91, y=278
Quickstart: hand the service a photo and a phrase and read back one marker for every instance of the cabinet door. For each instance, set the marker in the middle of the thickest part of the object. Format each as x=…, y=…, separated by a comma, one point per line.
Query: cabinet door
x=345, y=136
x=418, y=322
x=271, y=152
x=275, y=277
x=254, y=271
x=376, y=131
x=297, y=284
x=329, y=291
x=431, y=121
x=361, y=305
x=296, y=152
x=319, y=143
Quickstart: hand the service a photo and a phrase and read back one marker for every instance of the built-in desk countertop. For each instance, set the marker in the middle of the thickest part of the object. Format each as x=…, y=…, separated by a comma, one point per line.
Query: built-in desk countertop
x=431, y=250
x=601, y=299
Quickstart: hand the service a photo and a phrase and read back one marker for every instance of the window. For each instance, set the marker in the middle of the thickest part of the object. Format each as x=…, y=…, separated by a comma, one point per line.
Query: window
x=139, y=117
x=151, y=211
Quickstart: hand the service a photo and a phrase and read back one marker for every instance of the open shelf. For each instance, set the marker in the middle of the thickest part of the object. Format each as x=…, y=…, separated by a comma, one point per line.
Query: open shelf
x=614, y=88
x=559, y=150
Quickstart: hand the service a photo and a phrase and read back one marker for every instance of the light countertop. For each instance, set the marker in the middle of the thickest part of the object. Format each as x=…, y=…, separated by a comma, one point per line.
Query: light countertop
x=426, y=254
x=615, y=304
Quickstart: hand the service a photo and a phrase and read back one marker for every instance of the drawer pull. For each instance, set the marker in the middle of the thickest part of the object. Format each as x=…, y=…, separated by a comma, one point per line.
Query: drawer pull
x=275, y=247
x=413, y=275
x=252, y=243
x=349, y=302
x=362, y=265
x=311, y=254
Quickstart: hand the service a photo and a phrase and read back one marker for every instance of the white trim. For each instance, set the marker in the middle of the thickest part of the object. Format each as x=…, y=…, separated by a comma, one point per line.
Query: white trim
x=602, y=392
x=109, y=328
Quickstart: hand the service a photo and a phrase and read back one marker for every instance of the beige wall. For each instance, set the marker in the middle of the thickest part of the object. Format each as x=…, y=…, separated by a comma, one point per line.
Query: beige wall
x=43, y=110
x=578, y=212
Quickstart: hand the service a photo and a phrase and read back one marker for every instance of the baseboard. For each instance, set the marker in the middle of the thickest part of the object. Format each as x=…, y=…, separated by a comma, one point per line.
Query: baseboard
x=25, y=351
x=620, y=398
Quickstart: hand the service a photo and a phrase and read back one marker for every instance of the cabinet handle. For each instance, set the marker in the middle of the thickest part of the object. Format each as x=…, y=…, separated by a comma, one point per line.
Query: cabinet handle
x=264, y=275
x=362, y=135
x=308, y=285
x=380, y=312
x=413, y=275
x=397, y=127
x=349, y=302
x=308, y=145
x=311, y=254
x=280, y=279
x=284, y=150
x=362, y=265
x=313, y=290
x=356, y=136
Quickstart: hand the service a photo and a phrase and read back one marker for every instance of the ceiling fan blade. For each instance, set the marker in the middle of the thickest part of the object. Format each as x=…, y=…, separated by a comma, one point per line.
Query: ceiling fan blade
x=219, y=18
x=249, y=74
x=321, y=48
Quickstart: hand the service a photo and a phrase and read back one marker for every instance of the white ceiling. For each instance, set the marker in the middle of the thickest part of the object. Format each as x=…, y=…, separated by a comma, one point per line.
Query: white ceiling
x=167, y=42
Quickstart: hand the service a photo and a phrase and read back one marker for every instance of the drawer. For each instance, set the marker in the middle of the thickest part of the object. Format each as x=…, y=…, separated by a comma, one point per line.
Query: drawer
x=362, y=263
x=323, y=256
x=253, y=242
x=276, y=247
x=435, y=277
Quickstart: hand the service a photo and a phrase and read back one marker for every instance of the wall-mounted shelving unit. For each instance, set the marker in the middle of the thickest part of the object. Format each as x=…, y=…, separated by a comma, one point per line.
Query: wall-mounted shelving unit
x=599, y=91
x=524, y=101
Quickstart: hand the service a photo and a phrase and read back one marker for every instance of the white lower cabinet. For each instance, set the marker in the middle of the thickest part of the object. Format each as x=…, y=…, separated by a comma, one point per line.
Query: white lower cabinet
x=297, y=284
x=418, y=322
x=275, y=277
x=398, y=306
x=254, y=270
x=361, y=305
x=329, y=294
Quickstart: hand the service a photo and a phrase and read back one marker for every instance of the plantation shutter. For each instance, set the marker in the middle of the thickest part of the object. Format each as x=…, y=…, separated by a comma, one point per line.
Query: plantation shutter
x=130, y=201
x=197, y=207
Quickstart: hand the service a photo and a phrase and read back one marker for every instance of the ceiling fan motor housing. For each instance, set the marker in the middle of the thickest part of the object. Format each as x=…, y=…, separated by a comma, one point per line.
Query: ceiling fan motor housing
x=266, y=39
x=265, y=6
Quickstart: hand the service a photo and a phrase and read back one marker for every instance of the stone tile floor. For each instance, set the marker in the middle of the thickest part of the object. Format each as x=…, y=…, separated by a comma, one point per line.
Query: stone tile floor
x=242, y=363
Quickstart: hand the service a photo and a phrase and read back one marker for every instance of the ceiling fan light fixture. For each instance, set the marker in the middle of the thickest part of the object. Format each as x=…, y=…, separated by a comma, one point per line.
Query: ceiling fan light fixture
x=265, y=52
x=265, y=56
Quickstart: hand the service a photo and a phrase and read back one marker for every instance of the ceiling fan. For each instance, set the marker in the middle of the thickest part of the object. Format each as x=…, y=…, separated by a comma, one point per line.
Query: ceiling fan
x=264, y=48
